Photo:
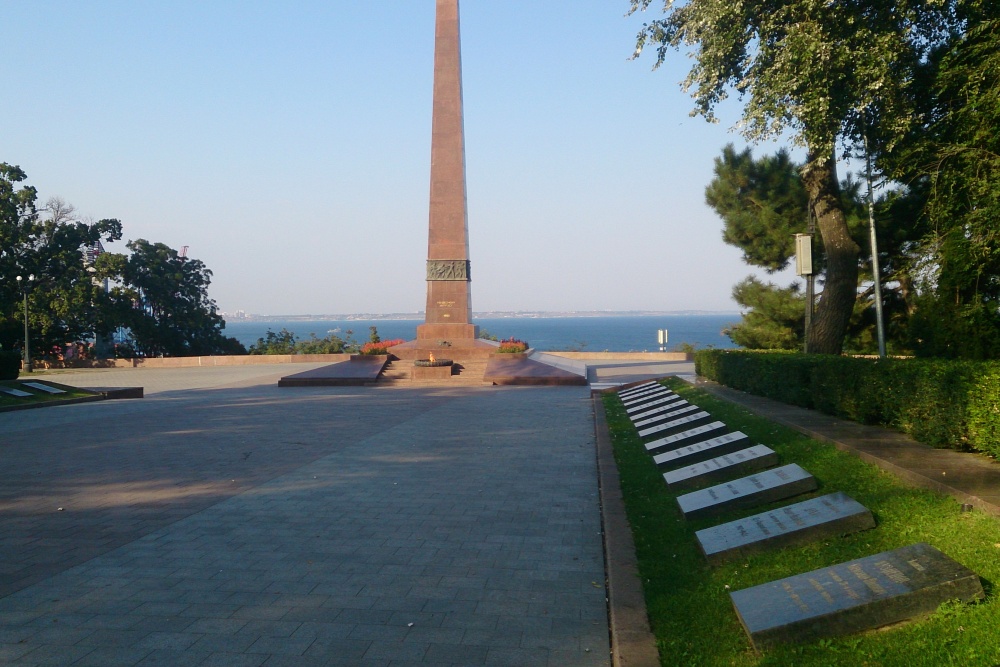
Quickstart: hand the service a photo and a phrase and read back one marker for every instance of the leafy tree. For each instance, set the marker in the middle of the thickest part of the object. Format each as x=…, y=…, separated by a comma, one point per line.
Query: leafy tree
x=952, y=157
x=774, y=317
x=64, y=302
x=284, y=342
x=762, y=203
x=162, y=298
x=797, y=64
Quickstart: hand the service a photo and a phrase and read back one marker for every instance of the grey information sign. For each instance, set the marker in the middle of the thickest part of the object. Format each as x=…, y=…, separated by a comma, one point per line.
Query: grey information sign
x=757, y=489
x=638, y=411
x=680, y=439
x=674, y=411
x=857, y=595
x=827, y=516
x=694, y=419
x=702, y=451
x=722, y=466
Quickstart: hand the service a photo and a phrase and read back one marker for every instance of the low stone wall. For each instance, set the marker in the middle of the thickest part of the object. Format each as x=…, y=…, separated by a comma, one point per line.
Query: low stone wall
x=186, y=362
x=625, y=356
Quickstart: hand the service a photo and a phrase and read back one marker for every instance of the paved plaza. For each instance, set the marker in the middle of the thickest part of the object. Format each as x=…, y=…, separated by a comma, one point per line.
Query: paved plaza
x=224, y=521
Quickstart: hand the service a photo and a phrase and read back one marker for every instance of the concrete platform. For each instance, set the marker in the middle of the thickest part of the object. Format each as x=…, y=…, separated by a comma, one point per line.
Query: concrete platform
x=520, y=370
x=235, y=523
x=357, y=371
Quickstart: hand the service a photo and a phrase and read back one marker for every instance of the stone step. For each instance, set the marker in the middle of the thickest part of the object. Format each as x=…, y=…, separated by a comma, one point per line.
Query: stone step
x=467, y=373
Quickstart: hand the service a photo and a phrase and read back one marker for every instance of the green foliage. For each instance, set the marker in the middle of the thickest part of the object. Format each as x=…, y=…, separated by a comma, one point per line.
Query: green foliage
x=795, y=65
x=942, y=403
x=10, y=365
x=939, y=327
x=688, y=601
x=762, y=203
x=159, y=297
x=960, y=155
x=773, y=319
x=63, y=302
x=163, y=300
x=950, y=159
x=284, y=342
x=795, y=62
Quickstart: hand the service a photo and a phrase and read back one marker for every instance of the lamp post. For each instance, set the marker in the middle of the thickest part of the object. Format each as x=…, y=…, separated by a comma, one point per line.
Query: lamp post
x=25, y=287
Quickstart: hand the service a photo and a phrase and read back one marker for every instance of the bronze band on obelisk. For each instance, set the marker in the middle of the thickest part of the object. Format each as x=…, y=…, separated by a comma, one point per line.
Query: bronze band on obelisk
x=449, y=297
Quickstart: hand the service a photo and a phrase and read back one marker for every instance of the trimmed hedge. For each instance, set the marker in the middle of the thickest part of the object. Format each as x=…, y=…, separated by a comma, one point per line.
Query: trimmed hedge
x=10, y=365
x=940, y=402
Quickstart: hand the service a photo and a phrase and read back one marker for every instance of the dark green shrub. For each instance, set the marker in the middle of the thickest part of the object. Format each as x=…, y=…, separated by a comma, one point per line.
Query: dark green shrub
x=783, y=376
x=10, y=365
x=940, y=402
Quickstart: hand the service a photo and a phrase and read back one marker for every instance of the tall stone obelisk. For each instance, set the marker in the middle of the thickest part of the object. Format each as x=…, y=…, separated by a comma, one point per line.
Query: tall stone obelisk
x=449, y=294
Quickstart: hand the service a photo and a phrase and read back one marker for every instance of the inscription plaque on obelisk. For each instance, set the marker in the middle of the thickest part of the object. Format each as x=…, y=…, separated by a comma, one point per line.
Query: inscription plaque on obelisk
x=449, y=298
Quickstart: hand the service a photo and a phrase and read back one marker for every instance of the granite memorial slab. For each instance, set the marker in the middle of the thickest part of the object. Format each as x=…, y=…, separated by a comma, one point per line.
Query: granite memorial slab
x=721, y=468
x=858, y=595
x=684, y=437
x=16, y=392
x=640, y=401
x=672, y=411
x=647, y=418
x=757, y=489
x=641, y=391
x=702, y=450
x=660, y=401
x=638, y=389
x=814, y=519
x=43, y=387
x=687, y=421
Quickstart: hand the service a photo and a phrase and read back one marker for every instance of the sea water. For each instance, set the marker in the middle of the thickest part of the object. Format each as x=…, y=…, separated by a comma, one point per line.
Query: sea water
x=583, y=334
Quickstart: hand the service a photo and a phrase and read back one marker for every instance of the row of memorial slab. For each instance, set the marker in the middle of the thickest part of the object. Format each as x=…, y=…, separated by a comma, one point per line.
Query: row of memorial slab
x=722, y=471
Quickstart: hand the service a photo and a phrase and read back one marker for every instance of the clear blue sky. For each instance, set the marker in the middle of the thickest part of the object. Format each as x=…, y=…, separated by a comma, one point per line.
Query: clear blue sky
x=288, y=144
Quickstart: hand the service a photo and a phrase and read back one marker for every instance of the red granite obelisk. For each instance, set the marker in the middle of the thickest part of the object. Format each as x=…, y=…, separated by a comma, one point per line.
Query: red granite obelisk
x=449, y=297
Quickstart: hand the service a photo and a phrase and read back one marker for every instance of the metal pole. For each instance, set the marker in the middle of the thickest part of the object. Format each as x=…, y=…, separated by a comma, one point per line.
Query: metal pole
x=876, y=272
x=27, y=354
x=810, y=283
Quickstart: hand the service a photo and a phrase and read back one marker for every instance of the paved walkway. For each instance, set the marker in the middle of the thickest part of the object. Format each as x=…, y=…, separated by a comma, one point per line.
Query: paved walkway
x=237, y=523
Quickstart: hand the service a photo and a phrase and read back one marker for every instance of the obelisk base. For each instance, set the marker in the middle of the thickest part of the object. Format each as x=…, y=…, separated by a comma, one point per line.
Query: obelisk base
x=432, y=334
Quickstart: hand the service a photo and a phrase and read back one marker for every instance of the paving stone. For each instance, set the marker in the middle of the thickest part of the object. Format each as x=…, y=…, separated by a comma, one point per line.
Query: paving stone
x=355, y=509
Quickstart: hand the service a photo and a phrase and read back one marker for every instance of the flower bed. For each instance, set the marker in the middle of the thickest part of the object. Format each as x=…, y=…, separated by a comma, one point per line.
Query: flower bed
x=381, y=347
x=512, y=346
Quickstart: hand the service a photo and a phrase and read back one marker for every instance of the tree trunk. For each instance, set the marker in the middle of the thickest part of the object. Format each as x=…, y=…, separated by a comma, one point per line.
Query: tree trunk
x=840, y=291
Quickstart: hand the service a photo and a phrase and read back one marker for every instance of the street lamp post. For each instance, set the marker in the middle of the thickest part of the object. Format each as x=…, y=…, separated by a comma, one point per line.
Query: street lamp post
x=25, y=286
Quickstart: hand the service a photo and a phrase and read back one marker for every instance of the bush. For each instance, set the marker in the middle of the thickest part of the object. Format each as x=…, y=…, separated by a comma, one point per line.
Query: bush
x=940, y=402
x=379, y=346
x=512, y=346
x=10, y=365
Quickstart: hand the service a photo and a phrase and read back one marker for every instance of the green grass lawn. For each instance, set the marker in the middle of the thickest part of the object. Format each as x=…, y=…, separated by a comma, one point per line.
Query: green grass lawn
x=688, y=603
x=37, y=396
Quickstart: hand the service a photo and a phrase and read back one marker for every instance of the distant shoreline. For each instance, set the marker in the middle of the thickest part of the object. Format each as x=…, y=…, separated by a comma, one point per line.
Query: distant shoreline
x=494, y=314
